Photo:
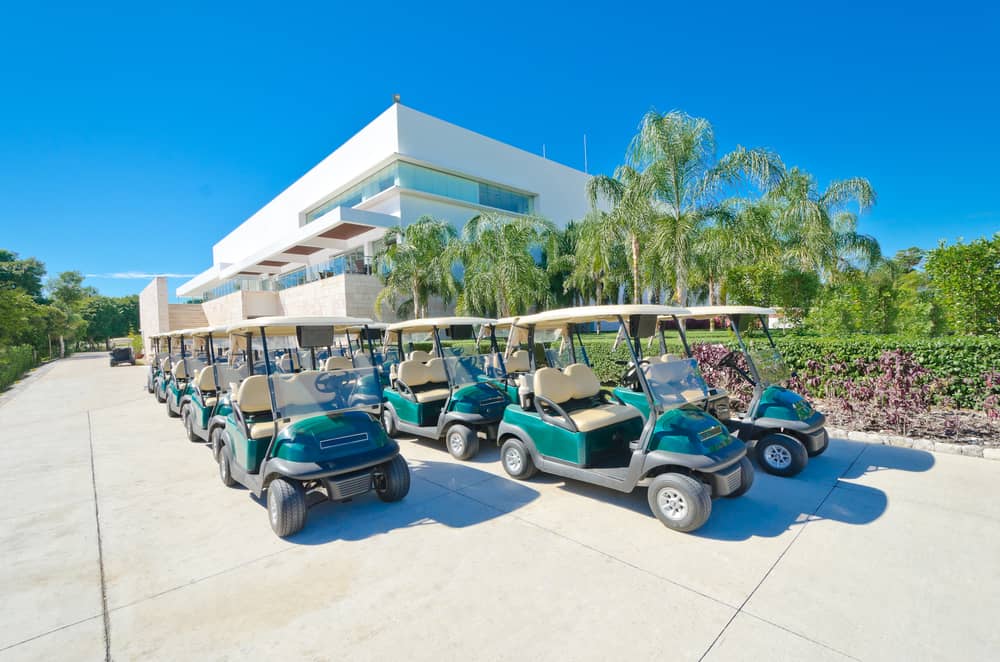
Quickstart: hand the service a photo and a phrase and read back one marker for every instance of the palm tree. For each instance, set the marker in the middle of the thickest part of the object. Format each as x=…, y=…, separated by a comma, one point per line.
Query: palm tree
x=501, y=276
x=414, y=267
x=599, y=260
x=677, y=155
x=629, y=193
x=820, y=233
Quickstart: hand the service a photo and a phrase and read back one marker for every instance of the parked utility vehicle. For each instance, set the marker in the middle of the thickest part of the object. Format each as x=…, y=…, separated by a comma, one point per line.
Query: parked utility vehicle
x=209, y=381
x=166, y=357
x=177, y=383
x=444, y=394
x=153, y=360
x=567, y=425
x=780, y=425
x=121, y=352
x=290, y=433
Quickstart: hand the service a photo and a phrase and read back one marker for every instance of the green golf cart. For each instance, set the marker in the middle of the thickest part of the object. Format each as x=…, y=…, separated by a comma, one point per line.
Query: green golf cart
x=178, y=381
x=444, y=394
x=211, y=373
x=167, y=356
x=288, y=434
x=154, y=358
x=566, y=424
x=782, y=427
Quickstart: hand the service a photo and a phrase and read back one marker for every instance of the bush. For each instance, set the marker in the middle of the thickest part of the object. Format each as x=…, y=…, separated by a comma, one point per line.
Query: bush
x=14, y=362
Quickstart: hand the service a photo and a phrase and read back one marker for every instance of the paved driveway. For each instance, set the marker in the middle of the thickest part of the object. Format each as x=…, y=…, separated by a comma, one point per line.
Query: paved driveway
x=118, y=538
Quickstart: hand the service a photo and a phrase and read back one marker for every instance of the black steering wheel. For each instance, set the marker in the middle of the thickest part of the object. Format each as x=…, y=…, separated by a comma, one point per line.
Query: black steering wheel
x=631, y=378
x=328, y=382
x=730, y=360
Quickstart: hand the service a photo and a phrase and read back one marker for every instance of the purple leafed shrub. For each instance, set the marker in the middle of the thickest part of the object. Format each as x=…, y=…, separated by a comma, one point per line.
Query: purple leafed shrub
x=708, y=356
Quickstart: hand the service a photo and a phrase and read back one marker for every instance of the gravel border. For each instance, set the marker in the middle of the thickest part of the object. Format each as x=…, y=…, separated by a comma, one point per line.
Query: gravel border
x=969, y=450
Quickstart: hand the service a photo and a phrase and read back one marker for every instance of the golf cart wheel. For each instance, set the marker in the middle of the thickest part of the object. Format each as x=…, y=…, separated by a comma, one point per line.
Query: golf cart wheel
x=680, y=502
x=225, y=473
x=822, y=449
x=781, y=454
x=746, y=478
x=517, y=460
x=170, y=412
x=394, y=483
x=286, y=506
x=187, y=417
x=462, y=441
x=149, y=387
x=389, y=422
x=216, y=438
x=161, y=397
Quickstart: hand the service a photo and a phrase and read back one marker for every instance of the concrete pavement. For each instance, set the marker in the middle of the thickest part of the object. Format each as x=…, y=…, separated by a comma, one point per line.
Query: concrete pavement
x=119, y=540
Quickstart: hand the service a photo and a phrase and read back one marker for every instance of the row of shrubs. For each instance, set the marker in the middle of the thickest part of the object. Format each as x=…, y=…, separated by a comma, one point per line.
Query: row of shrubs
x=14, y=362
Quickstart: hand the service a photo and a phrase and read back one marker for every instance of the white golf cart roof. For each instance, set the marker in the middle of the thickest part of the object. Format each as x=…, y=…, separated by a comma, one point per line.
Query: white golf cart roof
x=584, y=314
x=285, y=325
x=430, y=323
x=201, y=331
x=705, y=312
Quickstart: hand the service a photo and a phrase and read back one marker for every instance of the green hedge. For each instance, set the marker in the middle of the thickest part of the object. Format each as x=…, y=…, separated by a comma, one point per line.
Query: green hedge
x=14, y=362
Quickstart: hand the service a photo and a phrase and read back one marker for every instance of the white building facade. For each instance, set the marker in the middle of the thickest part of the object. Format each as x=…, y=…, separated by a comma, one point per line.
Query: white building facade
x=309, y=250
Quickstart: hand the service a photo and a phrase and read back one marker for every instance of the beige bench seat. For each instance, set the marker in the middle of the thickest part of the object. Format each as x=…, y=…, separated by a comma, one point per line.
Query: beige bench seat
x=579, y=383
x=427, y=381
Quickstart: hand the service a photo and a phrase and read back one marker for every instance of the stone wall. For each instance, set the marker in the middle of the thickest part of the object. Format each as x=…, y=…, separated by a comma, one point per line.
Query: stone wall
x=154, y=312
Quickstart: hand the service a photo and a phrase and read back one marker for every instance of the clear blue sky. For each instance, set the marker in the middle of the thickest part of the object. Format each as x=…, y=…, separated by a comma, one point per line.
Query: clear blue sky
x=134, y=136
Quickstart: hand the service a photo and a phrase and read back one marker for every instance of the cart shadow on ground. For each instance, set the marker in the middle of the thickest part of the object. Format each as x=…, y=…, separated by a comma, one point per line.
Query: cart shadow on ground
x=774, y=505
x=432, y=500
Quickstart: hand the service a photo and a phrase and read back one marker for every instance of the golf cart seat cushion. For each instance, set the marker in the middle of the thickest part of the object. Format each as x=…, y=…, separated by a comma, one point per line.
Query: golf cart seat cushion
x=595, y=418
x=338, y=363
x=553, y=385
x=422, y=379
x=435, y=371
x=419, y=355
x=165, y=364
x=253, y=396
x=262, y=430
x=518, y=362
x=585, y=382
x=210, y=402
x=431, y=395
x=205, y=381
x=180, y=372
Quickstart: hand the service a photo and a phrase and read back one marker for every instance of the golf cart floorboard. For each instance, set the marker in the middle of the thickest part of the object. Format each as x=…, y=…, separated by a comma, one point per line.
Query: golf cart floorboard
x=616, y=473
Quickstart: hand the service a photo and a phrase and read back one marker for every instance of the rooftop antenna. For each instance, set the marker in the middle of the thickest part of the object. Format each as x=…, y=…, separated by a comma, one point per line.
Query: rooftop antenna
x=395, y=98
x=585, y=153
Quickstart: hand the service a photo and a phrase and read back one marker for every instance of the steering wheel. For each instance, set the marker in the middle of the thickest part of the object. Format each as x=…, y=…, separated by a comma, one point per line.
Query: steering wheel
x=631, y=378
x=328, y=382
x=729, y=360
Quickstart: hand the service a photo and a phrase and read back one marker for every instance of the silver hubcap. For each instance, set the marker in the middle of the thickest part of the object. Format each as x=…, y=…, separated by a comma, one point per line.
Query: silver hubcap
x=456, y=442
x=672, y=503
x=513, y=460
x=777, y=456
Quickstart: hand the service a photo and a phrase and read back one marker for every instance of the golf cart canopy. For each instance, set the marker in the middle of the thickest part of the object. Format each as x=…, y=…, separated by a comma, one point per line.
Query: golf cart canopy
x=202, y=331
x=287, y=325
x=431, y=323
x=706, y=312
x=551, y=319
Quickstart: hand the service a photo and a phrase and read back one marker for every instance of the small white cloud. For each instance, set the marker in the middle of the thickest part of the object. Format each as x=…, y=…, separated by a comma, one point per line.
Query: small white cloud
x=134, y=275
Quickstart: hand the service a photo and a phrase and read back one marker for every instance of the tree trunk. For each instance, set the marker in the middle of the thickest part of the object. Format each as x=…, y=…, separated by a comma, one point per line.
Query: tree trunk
x=417, y=313
x=599, y=291
x=635, y=269
x=62, y=347
x=50, y=344
x=680, y=272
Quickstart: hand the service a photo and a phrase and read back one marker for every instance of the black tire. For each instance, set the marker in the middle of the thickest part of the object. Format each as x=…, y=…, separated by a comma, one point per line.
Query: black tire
x=822, y=449
x=215, y=436
x=461, y=441
x=680, y=502
x=188, y=419
x=516, y=459
x=225, y=473
x=781, y=454
x=389, y=422
x=394, y=482
x=149, y=386
x=286, y=506
x=746, y=478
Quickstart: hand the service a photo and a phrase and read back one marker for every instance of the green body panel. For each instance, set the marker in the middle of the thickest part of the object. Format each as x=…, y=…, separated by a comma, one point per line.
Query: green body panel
x=635, y=398
x=412, y=412
x=330, y=437
x=581, y=448
x=483, y=399
x=175, y=392
x=780, y=403
x=693, y=431
x=249, y=453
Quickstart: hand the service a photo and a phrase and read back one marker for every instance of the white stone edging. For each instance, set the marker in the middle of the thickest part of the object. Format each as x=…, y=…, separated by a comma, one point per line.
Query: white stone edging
x=970, y=450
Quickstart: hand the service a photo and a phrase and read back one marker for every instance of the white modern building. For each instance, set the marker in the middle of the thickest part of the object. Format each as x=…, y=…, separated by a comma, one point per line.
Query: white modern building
x=309, y=250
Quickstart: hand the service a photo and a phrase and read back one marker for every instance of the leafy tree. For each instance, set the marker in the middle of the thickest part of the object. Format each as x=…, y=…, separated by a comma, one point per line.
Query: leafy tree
x=501, y=276
x=415, y=265
x=966, y=278
x=17, y=311
x=558, y=261
x=600, y=264
x=769, y=285
x=676, y=154
x=25, y=275
x=817, y=230
x=110, y=317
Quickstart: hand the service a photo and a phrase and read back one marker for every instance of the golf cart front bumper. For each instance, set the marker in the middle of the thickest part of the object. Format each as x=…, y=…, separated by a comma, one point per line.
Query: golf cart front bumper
x=816, y=440
x=340, y=479
x=812, y=432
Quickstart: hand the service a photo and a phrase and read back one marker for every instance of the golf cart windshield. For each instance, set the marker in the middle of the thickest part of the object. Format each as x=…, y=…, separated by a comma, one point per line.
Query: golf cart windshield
x=770, y=365
x=472, y=368
x=318, y=392
x=675, y=383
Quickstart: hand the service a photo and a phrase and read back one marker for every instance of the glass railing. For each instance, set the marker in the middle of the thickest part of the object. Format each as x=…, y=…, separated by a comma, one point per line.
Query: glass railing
x=354, y=263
